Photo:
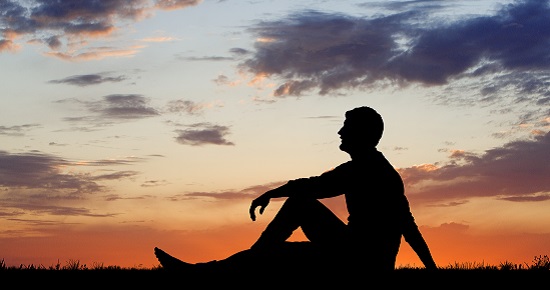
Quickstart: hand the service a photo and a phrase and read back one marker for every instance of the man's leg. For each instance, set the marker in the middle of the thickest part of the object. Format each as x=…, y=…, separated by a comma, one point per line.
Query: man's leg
x=319, y=224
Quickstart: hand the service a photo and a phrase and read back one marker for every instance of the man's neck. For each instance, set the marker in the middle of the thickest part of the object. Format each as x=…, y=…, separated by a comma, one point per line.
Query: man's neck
x=363, y=154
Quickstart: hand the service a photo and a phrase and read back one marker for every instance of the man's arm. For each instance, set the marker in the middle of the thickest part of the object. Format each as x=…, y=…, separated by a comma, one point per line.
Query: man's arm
x=417, y=242
x=323, y=186
x=262, y=201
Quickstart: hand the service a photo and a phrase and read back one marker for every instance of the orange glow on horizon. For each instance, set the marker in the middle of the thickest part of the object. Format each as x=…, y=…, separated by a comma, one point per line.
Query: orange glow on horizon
x=133, y=247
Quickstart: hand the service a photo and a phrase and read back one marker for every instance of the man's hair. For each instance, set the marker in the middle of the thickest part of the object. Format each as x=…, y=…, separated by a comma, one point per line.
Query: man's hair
x=367, y=121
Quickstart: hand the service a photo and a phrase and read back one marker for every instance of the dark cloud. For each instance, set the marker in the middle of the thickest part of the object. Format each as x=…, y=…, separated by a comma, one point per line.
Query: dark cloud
x=38, y=182
x=111, y=109
x=36, y=170
x=42, y=171
x=54, y=21
x=329, y=52
x=86, y=80
x=203, y=134
x=517, y=171
x=53, y=42
x=239, y=51
x=130, y=106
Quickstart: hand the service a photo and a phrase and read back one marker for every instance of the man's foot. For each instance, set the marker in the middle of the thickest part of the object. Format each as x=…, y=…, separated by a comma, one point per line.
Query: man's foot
x=169, y=262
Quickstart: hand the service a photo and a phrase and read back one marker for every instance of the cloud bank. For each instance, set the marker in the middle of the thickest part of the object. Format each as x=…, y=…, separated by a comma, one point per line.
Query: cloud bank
x=517, y=171
x=60, y=25
x=329, y=53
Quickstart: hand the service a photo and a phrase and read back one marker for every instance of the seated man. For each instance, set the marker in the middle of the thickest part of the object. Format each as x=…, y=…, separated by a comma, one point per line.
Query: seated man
x=378, y=212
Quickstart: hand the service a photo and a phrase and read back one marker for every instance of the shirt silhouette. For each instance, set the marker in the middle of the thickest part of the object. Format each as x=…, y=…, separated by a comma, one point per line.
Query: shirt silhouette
x=379, y=213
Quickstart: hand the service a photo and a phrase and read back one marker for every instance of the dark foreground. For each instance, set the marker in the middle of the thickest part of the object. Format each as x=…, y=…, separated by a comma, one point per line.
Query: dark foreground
x=269, y=278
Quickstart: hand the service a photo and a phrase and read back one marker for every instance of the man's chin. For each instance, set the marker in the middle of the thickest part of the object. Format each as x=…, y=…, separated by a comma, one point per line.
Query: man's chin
x=343, y=147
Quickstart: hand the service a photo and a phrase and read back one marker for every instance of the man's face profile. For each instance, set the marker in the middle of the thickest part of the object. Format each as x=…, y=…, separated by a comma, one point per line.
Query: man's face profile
x=348, y=135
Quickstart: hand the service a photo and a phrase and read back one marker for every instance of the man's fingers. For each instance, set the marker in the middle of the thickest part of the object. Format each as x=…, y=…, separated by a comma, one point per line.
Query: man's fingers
x=252, y=213
x=257, y=203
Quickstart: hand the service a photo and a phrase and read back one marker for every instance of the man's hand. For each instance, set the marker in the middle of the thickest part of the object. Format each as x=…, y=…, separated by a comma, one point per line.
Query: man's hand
x=262, y=201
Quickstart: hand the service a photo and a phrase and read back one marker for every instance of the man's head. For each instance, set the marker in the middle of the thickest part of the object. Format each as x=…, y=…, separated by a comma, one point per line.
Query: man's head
x=362, y=130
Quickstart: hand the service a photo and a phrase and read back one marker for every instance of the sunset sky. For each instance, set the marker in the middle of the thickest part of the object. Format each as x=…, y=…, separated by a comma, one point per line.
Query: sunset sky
x=126, y=125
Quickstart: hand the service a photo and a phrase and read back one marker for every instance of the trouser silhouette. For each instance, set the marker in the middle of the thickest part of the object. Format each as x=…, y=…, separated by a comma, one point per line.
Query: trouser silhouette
x=324, y=230
x=319, y=224
x=330, y=242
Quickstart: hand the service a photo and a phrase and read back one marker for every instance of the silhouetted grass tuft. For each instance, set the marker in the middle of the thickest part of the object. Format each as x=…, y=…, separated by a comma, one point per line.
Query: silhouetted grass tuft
x=72, y=265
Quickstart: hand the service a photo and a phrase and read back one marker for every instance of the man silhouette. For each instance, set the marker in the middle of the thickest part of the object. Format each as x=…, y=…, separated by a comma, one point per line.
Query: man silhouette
x=378, y=212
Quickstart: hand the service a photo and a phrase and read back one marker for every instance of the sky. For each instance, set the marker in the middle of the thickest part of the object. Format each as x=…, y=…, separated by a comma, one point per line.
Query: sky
x=129, y=125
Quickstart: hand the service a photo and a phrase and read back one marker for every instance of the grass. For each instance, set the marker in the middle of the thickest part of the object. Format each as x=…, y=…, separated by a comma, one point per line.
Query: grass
x=539, y=263
x=71, y=265
x=453, y=276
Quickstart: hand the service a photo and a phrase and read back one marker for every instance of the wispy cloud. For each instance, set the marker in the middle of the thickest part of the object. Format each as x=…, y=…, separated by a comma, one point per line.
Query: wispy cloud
x=43, y=209
x=176, y=4
x=205, y=58
x=190, y=107
x=243, y=194
x=158, y=39
x=89, y=79
x=96, y=53
x=18, y=130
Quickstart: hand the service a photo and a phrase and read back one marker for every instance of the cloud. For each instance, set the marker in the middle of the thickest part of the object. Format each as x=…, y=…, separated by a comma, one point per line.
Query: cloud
x=203, y=134
x=42, y=183
x=516, y=171
x=115, y=175
x=190, y=107
x=152, y=183
x=87, y=80
x=185, y=106
x=158, y=39
x=331, y=52
x=8, y=45
x=96, y=53
x=37, y=170
x=122, y=107
x=176, y=4
x=206, y=58
x=127, y=107
x=52, y=210
x=55, y=23
x=17, y=130
x=246, y=193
